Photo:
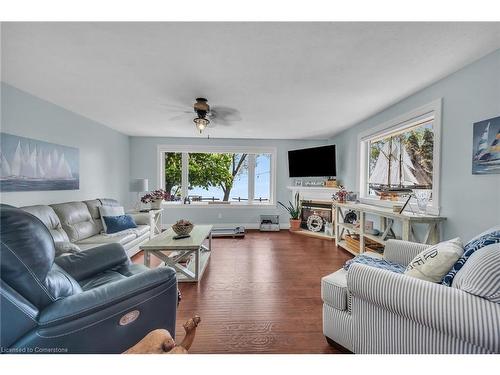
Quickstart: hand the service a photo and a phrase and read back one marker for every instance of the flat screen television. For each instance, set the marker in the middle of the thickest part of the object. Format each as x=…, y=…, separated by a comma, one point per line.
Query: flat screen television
x=312, y=162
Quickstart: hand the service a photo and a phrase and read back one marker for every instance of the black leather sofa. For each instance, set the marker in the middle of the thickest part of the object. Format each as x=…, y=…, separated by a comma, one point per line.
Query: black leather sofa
x=95, y=301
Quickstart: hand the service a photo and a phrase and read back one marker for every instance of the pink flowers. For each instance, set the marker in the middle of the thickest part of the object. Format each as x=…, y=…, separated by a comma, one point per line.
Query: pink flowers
x=159, y=194
x=341, y=195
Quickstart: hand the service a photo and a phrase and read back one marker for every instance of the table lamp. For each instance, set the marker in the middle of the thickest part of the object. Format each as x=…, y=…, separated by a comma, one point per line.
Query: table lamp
x=139, y=185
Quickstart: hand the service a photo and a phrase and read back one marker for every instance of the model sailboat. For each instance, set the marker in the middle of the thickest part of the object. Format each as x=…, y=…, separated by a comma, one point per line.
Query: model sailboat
x=394, y=172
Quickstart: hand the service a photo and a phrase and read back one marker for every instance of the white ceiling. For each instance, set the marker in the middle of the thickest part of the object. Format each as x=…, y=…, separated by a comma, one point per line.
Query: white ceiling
x=288, y=80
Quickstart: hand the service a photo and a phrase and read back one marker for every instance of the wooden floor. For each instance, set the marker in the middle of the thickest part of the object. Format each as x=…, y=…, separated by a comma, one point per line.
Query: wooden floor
x=260, y=294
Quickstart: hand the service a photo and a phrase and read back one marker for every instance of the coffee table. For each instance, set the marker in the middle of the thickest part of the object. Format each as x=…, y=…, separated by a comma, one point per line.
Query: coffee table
x=175, y=252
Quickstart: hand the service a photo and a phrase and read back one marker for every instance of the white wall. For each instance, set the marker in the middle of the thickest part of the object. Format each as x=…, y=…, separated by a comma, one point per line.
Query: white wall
x=470, y=202
x=143, y=164
x=104, y=153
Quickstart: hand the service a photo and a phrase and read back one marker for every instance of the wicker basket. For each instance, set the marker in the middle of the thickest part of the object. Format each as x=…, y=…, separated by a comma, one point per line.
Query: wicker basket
x=182, y=229
x=352, y=241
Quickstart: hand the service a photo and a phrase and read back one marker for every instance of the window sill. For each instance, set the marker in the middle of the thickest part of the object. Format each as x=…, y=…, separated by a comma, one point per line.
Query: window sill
x=231, y=205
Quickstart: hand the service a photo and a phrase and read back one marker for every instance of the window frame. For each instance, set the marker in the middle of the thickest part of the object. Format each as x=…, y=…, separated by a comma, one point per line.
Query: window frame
x=186, y=149
x=406, y=120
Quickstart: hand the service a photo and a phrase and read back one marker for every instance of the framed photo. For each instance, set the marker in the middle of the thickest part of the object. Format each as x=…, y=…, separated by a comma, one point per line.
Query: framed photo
x=486, y=146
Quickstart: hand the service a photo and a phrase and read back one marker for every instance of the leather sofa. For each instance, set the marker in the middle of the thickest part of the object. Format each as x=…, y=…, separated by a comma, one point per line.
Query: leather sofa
x=93, y=301
x=81, y=224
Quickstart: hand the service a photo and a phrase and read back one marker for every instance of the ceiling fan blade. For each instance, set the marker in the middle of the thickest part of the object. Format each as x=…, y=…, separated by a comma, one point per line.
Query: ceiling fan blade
x=225, y=113
x=182, y=116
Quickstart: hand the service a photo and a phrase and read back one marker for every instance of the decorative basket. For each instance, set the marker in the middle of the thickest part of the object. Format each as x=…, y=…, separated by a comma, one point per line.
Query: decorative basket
x=352, y=242
x=182, y=227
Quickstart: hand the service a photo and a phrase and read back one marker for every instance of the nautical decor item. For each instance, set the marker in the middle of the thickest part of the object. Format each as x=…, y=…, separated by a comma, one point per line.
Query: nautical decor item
x=394, y=173
x=486, y=147
x=315, y=223
x=30, y=165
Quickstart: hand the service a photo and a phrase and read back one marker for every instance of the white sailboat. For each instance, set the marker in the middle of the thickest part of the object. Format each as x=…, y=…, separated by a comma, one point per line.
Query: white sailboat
x=17, y=160
x=482, y=147
x=5, y=170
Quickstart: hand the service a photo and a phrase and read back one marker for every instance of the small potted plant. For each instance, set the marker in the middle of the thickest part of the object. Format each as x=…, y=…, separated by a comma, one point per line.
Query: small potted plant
x=294, y=210
x=155, y=198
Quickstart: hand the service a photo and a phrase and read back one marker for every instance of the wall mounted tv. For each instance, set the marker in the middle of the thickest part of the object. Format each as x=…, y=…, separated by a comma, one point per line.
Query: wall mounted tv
x=312, y=162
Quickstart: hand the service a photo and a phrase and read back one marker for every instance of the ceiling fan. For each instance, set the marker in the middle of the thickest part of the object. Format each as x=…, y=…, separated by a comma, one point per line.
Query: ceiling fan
x=208, y=116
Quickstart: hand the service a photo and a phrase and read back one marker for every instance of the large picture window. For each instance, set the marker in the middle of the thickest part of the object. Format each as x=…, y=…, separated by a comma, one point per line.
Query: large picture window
x=218, y=175
x=402, y=155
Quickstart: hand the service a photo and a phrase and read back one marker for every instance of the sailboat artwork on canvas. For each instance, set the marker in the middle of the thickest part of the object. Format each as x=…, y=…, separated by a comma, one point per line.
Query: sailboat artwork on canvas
x=486, y=147
x=30, y=165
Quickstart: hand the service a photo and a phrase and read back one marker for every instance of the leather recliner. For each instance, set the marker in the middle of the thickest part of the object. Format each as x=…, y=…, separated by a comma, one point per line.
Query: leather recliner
x=95, y=301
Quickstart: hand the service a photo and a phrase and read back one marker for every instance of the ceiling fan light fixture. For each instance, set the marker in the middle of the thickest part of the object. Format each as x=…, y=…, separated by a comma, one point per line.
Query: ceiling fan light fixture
x=201, y=123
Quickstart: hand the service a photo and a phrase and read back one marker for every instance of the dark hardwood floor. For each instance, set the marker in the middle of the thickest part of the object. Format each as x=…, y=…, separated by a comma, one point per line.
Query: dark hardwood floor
x=260, y=294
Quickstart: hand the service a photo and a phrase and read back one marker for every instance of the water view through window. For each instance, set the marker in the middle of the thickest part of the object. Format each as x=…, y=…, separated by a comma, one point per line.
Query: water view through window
x=220, y=177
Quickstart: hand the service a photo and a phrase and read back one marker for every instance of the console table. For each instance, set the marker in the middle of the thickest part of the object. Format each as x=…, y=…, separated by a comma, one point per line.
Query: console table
x=387, y=220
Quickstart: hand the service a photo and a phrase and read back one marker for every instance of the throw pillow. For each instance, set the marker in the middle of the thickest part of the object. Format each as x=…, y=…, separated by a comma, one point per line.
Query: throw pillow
x=110, y=211
x=489, y=237
x=480, y=275
x=118, y=223
x=65, y=248
x=434, y=262
x=375, y=262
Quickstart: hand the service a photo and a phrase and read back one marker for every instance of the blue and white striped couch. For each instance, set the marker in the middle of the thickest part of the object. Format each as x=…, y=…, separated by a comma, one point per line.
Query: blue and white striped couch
x=370, y=310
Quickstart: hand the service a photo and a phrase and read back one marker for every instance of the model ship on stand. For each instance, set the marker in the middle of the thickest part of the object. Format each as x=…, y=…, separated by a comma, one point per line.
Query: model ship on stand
x=394, y=174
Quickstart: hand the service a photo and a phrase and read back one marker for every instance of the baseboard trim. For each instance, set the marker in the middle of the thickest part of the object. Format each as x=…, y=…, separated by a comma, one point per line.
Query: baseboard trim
x=233, y=225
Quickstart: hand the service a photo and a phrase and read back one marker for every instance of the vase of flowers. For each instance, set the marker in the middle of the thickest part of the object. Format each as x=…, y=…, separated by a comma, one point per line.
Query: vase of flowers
x=341, y=195
x=294, y=210
x=155, y=198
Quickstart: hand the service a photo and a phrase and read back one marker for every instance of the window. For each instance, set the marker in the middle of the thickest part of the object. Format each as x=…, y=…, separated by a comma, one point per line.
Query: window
x=218, y=175
x=262, y=188
x=402, y=155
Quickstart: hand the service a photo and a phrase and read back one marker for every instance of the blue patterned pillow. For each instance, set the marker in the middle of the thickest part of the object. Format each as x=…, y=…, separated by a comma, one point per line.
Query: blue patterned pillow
x=375, y=262
x=116, y=224
x=469, y=249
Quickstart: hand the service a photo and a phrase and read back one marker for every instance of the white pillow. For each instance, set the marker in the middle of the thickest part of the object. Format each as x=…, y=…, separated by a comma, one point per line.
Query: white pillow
x=110, y=211
x=433, y=263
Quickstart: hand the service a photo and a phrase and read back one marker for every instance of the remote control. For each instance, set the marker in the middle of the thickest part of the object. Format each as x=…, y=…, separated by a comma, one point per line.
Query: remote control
x=179, y=236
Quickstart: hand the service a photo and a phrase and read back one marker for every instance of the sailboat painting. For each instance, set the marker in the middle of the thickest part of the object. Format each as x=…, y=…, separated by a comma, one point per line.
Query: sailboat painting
x=30, y=165
x=486, y=147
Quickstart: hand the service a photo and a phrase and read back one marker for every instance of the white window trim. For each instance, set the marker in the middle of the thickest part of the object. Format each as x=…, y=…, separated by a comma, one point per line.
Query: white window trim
x=185, y=149
x=435, y=108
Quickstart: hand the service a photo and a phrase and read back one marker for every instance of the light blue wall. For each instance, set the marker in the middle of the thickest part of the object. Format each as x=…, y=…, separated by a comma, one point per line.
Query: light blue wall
x=104, y=153
x=143, y=164
x=470, y=202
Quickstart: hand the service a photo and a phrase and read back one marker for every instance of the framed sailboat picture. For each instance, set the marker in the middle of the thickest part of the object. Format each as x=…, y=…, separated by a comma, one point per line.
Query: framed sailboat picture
x=486, y=147
x=31, y=165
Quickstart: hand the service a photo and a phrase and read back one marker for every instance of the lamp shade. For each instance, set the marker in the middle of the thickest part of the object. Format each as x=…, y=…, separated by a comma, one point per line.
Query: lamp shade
x=139, y=185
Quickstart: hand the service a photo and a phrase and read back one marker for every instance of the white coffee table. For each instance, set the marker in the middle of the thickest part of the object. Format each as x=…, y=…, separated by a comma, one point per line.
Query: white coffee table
x=175, y=252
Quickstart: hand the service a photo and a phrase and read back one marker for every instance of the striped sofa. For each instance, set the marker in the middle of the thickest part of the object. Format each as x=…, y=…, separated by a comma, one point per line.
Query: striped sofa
x=370, y=310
